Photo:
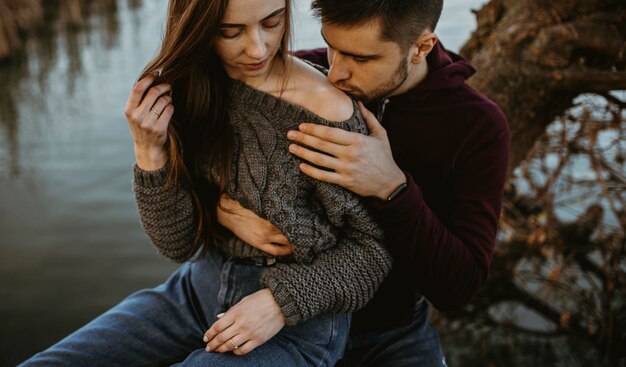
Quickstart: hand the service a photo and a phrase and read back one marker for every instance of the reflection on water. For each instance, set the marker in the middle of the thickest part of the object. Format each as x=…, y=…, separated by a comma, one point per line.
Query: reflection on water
x=70, y=240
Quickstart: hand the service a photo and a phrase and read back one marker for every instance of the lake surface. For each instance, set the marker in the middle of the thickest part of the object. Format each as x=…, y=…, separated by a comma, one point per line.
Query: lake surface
x=71, y=245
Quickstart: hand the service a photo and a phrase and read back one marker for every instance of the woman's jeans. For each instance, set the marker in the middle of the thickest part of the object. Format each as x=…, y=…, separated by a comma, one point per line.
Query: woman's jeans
x=164, y=326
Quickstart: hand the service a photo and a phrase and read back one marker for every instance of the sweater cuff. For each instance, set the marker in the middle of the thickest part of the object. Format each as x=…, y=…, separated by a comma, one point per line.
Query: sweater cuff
x=156, y=178
x=284, y=299
x=406, y=202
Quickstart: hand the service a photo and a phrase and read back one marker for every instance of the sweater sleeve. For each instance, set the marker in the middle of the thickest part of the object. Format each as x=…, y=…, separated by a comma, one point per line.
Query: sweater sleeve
x=340, y=279
x=166, y=213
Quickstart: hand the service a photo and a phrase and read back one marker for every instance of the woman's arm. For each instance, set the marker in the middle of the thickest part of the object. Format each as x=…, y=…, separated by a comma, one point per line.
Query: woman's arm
x=166, y=213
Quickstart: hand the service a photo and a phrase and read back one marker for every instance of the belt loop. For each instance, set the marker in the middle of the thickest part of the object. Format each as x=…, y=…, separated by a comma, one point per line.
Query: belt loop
x=265, y=261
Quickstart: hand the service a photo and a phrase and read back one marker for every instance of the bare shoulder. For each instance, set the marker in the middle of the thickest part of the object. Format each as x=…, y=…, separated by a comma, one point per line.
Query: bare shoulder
x=314, y=92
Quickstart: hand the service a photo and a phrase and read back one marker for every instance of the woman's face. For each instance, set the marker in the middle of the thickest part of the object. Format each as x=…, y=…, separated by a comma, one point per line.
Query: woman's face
x=249, y=37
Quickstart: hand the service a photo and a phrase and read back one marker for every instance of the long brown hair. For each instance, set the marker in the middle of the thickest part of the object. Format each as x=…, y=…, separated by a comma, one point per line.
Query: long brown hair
x=200, y=139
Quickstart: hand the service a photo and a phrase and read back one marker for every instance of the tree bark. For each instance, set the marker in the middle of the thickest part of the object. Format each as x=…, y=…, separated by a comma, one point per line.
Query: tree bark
x=535, y=56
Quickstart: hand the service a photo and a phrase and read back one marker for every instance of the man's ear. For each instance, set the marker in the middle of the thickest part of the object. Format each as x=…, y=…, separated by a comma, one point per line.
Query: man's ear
x=422, y=47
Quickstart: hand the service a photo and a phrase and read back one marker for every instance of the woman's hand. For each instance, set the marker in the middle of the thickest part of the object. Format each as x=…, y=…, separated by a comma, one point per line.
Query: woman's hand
x=248, y=324
x=251, y=228
x=148, y=118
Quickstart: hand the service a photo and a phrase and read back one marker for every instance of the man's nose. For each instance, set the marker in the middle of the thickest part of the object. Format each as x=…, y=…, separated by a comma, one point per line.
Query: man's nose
x=338, y=69
x=255, y=47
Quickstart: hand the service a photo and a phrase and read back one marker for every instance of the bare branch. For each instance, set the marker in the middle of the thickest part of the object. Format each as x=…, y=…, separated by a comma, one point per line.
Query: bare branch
x=614, y=100
x=588, y=80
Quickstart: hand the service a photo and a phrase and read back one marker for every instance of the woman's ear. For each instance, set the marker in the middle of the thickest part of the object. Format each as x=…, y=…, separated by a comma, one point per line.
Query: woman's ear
x=422, y=47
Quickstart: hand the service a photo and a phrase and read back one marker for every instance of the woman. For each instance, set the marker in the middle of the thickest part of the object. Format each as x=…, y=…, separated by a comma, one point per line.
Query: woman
x=213, y=125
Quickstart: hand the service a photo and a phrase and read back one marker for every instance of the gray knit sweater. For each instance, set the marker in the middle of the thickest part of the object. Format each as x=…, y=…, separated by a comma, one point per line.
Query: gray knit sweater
x=338, y=260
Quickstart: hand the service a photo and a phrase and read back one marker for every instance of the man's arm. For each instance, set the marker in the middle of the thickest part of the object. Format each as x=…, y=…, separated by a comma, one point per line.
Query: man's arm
x=448, y=254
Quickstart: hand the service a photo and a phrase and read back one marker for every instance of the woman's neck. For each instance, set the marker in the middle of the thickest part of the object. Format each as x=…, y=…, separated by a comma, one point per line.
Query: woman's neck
x=273, y=80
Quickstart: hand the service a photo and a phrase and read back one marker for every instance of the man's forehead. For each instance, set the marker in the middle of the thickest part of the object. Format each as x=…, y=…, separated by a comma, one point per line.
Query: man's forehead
x=361, y=39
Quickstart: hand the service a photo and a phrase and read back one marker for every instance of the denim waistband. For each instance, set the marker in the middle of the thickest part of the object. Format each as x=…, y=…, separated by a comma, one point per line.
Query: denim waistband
x=263, y=261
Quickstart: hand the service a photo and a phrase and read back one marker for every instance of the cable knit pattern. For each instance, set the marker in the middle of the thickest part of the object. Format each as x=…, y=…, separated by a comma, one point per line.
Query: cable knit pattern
x=339, y=259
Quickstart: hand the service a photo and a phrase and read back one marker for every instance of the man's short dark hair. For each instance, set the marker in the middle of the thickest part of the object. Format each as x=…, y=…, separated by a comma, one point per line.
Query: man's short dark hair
x=402, y=21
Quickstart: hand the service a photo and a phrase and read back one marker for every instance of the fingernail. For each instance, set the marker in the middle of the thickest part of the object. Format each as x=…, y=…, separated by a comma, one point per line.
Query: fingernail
x=303, y=127
x=207, y=348
x=206, y=340
x=291, y=134
x=292, y=148
x=219, y=315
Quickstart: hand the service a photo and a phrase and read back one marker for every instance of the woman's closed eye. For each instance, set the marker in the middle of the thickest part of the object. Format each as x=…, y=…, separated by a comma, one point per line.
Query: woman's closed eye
x=272, y=24
x=230, y=33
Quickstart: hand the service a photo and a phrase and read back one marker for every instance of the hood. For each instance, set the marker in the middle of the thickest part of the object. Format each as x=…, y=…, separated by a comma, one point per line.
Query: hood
x=446, y=70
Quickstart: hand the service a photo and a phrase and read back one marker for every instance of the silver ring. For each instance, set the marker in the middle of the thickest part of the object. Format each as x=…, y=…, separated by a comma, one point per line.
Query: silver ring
x=155, y=112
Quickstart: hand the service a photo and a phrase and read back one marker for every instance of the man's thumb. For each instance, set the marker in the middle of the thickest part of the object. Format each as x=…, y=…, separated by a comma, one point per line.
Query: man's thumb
x=372, y=123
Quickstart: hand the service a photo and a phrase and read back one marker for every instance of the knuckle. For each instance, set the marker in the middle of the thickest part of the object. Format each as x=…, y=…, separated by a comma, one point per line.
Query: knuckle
x=154, y=130
x=137, y=88
x=221, y=349
x=153, y=93
x=216, y=328
x=322, y=144
x=135, y=118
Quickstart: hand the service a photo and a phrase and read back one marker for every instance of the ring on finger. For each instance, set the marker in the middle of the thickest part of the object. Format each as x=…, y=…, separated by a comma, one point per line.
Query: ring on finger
x=235, y=346
x=155, y=112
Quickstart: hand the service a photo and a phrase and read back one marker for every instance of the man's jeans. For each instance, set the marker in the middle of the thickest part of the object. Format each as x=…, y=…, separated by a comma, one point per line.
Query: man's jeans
x=416, y=344
x=164, y=326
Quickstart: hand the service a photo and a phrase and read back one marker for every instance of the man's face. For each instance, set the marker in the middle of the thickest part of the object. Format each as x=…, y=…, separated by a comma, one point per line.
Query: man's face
x=361, y=63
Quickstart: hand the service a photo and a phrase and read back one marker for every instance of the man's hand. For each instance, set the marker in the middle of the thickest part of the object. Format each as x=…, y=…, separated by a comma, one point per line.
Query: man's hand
x=248, y=324
x=362, y=164
x=251, y=228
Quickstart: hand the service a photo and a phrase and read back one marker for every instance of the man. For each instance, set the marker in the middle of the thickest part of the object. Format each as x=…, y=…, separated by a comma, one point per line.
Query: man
x=432, y=174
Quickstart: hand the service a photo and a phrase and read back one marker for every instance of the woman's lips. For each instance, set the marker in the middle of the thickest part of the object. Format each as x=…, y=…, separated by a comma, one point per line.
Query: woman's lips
x=256, y=66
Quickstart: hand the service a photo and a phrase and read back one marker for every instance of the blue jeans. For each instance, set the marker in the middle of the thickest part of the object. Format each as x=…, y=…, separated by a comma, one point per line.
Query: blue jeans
x=164, y=326
x=416, y=344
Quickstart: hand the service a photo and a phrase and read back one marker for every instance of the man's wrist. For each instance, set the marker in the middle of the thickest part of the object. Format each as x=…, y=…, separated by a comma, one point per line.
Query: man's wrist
x=397, y=191
x=394, y=187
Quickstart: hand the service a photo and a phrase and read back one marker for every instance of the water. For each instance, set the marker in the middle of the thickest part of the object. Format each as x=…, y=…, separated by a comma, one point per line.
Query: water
x=70, y=240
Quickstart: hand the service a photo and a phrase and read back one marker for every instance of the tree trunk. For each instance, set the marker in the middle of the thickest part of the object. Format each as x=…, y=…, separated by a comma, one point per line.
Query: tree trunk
x=535, y=56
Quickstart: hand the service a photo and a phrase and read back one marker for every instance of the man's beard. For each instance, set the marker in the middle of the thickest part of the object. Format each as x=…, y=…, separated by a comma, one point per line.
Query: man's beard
x=397, y=78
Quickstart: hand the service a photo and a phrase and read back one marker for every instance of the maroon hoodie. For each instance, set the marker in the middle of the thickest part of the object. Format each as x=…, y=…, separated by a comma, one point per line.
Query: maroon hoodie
x=453, y=145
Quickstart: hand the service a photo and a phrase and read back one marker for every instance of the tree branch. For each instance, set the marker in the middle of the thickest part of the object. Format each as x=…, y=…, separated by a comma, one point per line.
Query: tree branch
x=545, y=309
x=613, y=100
x=587, y=80
x=556, y=46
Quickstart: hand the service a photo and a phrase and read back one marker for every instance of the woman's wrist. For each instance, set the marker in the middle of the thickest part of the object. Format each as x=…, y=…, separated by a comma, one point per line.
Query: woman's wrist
x=150, y=159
